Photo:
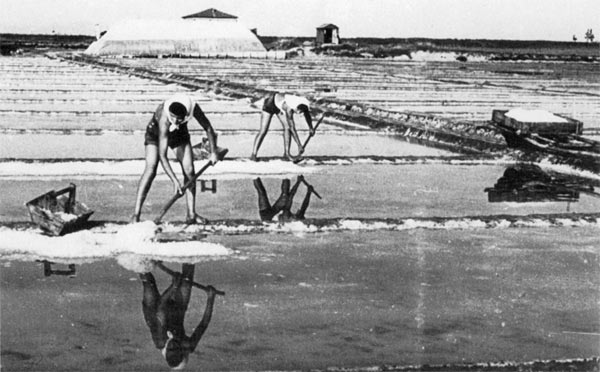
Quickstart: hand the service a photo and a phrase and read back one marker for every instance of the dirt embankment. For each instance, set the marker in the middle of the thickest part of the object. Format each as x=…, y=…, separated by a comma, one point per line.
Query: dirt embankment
x=15, y=44
x=461, y=50
x=397, y=48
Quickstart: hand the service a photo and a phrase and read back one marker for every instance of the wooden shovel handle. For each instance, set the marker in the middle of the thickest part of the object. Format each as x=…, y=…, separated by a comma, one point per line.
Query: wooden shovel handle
x=197, y=285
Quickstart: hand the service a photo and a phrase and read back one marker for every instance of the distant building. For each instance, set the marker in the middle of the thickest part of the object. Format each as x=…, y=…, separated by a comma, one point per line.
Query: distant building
x=207, y=33
x=328, y=34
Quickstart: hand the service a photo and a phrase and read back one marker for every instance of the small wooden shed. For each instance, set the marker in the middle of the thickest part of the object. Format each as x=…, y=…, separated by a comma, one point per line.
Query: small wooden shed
x=328, y=34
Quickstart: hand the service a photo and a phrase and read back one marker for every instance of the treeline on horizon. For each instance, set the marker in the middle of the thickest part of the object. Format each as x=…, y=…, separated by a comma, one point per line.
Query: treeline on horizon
x=10, y=42
x=470, y=43
x=441, y=43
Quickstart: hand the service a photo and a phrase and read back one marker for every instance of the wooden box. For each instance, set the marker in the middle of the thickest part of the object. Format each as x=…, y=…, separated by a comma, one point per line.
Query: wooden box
x=57, y=213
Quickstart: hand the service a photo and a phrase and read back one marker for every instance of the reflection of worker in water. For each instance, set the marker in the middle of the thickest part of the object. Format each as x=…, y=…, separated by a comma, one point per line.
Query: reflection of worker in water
x=284, y=106
x=164, y=315
x=284, y=202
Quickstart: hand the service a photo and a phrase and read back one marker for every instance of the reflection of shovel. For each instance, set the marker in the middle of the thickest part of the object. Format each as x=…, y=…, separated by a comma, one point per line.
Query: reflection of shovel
x=313, y=189
x=221, y=154
x=310, y=135
x=197, y=285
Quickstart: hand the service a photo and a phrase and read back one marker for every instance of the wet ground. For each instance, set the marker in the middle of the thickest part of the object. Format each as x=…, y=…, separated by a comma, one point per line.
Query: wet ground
x=412, y=256
x=360, y=191
x=339, y=299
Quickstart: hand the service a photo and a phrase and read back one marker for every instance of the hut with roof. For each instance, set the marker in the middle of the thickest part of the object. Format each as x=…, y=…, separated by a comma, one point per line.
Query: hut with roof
x=328, y=33
x=210, y=33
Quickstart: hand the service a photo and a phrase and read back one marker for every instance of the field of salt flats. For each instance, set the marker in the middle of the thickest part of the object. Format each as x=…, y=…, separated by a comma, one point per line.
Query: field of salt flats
x=453, y=90
x=403, y=261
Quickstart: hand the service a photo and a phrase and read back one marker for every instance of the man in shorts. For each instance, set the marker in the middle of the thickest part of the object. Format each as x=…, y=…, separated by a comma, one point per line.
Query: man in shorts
x=168, y=129
x=284, y=106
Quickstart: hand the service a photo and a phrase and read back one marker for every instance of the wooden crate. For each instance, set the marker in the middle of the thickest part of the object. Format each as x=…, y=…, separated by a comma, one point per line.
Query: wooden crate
x=57, y=213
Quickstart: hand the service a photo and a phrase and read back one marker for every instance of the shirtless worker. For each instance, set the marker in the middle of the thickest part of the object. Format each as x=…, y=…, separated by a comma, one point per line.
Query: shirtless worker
x=168, y=129
x=164, y=315
x=284, y=106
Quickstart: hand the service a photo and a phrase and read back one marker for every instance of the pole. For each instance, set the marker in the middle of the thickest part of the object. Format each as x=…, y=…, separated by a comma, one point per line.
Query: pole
x=187, y=185
x=197, y=285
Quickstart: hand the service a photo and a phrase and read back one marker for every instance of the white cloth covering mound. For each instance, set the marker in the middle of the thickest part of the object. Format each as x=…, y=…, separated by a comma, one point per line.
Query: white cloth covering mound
x=176, y=36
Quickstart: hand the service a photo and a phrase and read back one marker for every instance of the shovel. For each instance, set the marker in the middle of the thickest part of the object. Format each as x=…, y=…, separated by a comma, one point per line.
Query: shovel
x=221, y=154
x=197, y=285
x=310, y=135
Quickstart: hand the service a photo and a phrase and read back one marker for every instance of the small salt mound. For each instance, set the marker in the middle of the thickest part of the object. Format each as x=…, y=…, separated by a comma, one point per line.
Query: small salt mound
x=136, y=233
x=78, y=245
x=137, y=249
x=534, y=116
x=66, y=217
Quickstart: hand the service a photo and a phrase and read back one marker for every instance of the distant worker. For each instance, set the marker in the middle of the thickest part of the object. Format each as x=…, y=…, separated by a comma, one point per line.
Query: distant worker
x=284, y=106
x=283, y=205
x=164, y=315
x=168, y=129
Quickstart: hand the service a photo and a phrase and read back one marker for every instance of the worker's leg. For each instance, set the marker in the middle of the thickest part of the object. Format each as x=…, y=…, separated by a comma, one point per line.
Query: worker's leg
x=265, y=121
x=146, y=180
x=284, y=200
x=265, y=210
x=151, y=297
x=286, y=136
x=186, y=160
x=187, y=272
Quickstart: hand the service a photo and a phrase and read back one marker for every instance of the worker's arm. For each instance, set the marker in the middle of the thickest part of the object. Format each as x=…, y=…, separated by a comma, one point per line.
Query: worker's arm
x=201, y=328
x=163, y=141
x=289, y=115
x=308, y=119
x=210, y=132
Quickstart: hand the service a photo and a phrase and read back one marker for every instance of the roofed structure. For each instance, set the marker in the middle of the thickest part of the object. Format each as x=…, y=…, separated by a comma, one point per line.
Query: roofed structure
x=329, y=26
x=210, y=13
x=328, y=33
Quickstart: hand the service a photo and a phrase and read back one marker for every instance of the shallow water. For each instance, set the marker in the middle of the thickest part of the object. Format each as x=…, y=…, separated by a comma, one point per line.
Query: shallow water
x=428, y=285
x=336, y=299
x=358, y=191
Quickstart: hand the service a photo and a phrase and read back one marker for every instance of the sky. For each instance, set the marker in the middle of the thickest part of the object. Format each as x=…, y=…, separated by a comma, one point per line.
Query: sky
x=456, y=19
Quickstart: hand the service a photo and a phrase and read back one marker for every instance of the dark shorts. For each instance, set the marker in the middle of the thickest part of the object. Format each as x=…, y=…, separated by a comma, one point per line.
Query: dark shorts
x=269, y=105
x=177, y=138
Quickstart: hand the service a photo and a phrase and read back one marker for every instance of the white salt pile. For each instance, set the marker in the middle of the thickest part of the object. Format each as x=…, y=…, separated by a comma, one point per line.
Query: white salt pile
x=132, y=245
x=66, y=217
x=534, y=116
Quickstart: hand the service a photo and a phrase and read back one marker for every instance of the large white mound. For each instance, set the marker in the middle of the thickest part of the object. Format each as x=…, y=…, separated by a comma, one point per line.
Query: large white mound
x=152, y=37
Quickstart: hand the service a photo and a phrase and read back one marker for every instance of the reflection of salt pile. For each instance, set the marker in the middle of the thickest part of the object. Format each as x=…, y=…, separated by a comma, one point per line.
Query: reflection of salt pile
x=135, y=263
x=131, y=236
x=137, y=248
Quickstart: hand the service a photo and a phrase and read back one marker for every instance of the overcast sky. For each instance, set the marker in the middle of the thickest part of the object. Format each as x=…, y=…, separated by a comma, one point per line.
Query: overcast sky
x=461, y=19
